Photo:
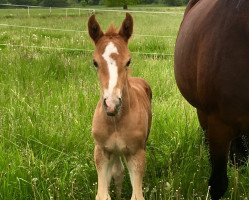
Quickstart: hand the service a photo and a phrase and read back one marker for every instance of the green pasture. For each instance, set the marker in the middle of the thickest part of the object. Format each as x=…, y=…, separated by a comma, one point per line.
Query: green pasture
x=48, y=93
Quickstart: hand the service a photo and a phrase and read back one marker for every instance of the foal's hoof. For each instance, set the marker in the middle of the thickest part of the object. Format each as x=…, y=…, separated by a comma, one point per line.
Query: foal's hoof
x=103, y=197
x=137, y=197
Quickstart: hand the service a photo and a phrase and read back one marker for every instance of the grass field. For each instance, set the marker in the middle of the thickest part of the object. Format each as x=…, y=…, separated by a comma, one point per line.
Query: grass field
x=48, y=96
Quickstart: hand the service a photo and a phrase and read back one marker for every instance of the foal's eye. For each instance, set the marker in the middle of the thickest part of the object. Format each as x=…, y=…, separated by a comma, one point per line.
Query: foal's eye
x=95, y=63
x=128, y=63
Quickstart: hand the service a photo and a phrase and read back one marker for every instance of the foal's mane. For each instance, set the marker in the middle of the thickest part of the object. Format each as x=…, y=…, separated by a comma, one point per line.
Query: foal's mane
x=111, y=31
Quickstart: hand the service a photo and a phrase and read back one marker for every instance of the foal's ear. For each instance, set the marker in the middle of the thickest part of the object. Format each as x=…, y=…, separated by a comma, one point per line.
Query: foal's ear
x=127, y=27
x=94, y=29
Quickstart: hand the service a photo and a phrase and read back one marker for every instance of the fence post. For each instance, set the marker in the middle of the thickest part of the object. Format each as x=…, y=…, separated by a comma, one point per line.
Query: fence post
x=66, y=12
x=50, y=10
x=28, y=12
x=79, y=11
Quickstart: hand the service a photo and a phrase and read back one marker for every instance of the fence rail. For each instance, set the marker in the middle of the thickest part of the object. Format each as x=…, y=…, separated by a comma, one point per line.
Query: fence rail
x=156, y=54
x=81, y=31
x=93, y=10
x=82, y=50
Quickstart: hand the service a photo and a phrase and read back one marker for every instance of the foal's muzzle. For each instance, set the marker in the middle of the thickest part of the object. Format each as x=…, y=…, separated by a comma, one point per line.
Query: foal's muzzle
x=112, y=106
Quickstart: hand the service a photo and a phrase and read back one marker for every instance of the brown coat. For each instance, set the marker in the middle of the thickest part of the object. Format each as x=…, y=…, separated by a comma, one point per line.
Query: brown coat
x=212, y=73
x=122, y=118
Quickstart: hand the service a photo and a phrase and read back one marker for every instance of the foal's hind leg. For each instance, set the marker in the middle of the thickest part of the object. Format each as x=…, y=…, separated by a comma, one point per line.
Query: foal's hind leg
x=118, y=175
x=219, y=138
x=136, y=165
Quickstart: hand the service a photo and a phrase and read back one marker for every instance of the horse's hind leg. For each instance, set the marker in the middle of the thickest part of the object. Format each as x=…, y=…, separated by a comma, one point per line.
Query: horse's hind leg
x=118, y=175
x=219, y=138
x=203, y=120
x=239, y=150
x=202, y=117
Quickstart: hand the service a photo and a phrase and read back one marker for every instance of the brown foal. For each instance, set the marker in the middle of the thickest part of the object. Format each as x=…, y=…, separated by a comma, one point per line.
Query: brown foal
x=122, y=118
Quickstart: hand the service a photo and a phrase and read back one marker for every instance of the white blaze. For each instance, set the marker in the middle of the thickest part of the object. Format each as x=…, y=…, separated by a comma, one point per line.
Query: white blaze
x=112, y=67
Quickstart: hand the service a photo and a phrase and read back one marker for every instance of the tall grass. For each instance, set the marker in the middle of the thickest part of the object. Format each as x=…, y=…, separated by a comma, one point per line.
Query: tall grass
x=48, y=96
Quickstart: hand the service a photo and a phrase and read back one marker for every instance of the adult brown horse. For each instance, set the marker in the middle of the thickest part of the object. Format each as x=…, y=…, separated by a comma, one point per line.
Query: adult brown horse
x=212, y=73
x=122, y=118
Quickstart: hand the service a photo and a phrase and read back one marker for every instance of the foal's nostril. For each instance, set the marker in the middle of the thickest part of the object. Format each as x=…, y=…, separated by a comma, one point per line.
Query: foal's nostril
x=120, y=101
x=112, y=105
x=105, y=102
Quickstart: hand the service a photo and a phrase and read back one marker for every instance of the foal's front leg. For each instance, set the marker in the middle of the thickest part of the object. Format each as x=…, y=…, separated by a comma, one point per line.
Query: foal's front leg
x=103, y=166
x=136, y=165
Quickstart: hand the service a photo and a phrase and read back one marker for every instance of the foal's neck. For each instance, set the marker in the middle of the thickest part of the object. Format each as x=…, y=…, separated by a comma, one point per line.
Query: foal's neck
x=127, y=98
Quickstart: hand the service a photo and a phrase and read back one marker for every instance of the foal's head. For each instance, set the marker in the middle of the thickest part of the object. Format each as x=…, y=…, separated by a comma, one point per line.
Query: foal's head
x=111, y=58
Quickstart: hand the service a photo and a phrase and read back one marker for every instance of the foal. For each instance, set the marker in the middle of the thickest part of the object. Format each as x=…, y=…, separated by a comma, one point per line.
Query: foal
x=122, y=118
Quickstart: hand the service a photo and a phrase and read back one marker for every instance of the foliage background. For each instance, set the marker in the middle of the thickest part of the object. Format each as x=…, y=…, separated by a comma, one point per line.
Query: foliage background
x=63, y=3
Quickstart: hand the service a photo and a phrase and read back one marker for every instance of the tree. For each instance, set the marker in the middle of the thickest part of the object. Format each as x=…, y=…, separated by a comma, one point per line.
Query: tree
x=3, y=1
x=23, y=2
x=148, y=1
x=175, y=2
x=55, y=3
x=123, y=3
x=93, y=2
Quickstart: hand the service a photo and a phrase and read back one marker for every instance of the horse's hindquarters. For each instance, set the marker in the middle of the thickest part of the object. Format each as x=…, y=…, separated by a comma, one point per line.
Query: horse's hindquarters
x=189, y=51
x=211, y=71
x=211, y=60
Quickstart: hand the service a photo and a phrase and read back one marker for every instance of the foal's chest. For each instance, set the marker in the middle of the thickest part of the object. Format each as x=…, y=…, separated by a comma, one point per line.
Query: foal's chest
x=121, y=136
x=120, y=142
x=116, y=142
